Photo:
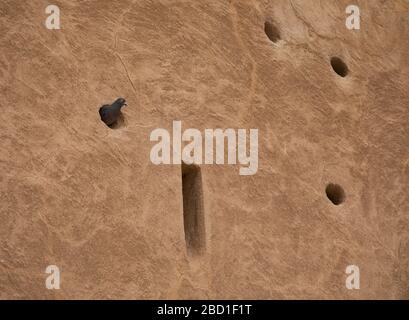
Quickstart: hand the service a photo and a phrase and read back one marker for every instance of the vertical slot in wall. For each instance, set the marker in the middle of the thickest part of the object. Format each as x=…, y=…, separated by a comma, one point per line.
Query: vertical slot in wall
x=193, y=210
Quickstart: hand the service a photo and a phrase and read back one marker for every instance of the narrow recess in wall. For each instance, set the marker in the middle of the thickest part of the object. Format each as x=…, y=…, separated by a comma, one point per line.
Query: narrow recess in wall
x=193, y=210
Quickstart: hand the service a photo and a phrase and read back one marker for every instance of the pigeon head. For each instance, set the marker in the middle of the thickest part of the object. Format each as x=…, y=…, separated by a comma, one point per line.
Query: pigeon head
x=120, y=102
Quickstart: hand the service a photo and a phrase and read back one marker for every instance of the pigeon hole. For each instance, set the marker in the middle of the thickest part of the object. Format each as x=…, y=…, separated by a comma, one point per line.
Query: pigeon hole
x=271, y=31
x=193, y=210
x=119, y=123
x=335, y=193
x=339, y=66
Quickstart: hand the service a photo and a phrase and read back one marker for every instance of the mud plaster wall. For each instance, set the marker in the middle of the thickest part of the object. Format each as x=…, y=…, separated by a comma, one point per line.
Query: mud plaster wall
x=86, y=198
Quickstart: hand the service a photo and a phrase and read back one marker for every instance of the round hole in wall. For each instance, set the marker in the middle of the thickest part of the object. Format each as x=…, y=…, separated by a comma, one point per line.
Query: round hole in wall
x=339, y=66
x=335, y=193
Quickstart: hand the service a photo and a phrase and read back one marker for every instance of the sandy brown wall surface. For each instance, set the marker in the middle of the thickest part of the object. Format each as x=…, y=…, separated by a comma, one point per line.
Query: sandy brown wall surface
x=86, y=198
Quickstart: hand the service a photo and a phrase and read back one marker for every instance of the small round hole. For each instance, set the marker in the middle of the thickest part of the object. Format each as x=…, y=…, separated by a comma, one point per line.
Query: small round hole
x=335, y=193
x=339, y=66
x=271, y=31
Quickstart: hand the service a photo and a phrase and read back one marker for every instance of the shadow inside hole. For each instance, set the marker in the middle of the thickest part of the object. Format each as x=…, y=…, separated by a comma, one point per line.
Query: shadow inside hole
x=335, y=193
x=272, y=31
x=119, y=123
x=339, y=66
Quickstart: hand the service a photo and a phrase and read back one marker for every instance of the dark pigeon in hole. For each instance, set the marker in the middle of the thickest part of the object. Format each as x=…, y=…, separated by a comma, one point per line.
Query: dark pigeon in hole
x=111, y=113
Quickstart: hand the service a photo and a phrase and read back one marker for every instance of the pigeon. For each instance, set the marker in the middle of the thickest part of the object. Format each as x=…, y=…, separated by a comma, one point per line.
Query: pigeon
x=110, y=113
